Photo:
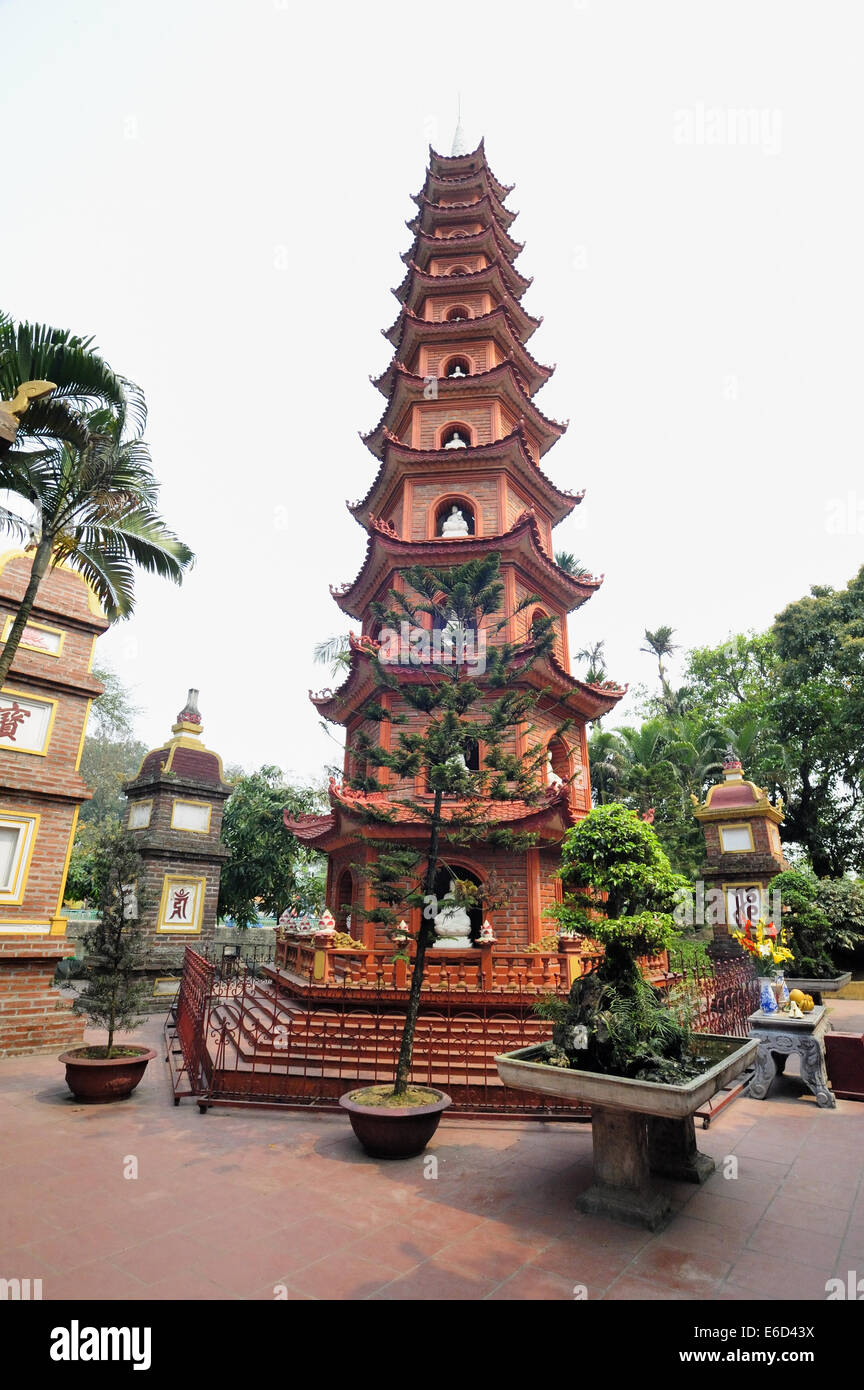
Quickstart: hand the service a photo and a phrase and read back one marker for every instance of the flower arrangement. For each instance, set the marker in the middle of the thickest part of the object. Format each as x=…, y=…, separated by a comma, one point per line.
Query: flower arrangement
x=767, y=946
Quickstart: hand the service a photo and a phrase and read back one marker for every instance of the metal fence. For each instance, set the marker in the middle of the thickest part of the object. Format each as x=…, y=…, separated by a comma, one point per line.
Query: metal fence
x=235, y=1038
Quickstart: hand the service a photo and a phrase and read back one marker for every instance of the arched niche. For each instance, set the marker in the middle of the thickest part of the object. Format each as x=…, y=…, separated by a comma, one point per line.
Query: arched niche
x=343, y=906
x=455, y=435
x=457, y=366
x=443, y=509
x=442, y=885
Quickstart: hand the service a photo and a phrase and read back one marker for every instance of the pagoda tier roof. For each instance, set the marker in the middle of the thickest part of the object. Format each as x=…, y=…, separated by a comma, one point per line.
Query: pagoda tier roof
x=487, y=243
x=456, y=165
x=571, y=697
x=437, y=186
x=504, y=216
x=419, y=285
x=432, y=215
x=510, y=454
x=502, y=382
x=550, y=816
x=495, y=325
x=387, y=554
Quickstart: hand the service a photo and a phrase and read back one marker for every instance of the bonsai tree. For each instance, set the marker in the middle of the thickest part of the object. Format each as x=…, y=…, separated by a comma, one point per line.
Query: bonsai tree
x=620, y=890
x=463, y=708
x=113, y=997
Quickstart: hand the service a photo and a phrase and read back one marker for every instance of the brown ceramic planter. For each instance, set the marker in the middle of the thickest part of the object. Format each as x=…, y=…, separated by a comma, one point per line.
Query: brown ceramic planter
x=99, y=1080
x=395, y=1133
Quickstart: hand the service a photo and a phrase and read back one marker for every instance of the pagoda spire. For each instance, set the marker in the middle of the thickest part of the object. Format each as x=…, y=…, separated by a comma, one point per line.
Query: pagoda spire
x=460, y=144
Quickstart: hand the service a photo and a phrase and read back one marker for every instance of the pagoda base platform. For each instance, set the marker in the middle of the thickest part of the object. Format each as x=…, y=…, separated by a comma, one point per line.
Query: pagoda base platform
x=265, y=1040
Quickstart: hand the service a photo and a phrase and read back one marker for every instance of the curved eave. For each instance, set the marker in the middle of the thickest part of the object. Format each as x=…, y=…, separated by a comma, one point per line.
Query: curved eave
x=416, y=331
x=409, y=389
x=308, y=828
x=454, y=165
x=359, y=684
x=425, y=247
x=386, y=554
x=433, y=215
x=436, y=185
x=559, y=503
x=430, y=209
x=549, y=674
x=489, y=279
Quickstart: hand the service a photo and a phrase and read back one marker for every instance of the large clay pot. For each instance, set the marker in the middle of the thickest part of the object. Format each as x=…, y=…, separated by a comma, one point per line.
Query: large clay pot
x=99, y=1080
x=396, y=1133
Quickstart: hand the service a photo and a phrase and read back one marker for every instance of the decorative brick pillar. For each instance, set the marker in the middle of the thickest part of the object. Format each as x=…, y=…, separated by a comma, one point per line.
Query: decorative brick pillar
x=175, y=815
x=44, y=707
x=744, y=854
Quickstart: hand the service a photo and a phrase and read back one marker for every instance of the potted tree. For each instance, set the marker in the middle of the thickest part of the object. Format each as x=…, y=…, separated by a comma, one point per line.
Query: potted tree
x=463, y=708
x=618, y=1043
x=113, y=996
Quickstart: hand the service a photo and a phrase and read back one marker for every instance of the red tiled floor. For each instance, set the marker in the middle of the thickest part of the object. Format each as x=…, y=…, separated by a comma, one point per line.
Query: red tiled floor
x=248, y=1204
x=536, y=1284
x=754, y=1270
x=806, y=1247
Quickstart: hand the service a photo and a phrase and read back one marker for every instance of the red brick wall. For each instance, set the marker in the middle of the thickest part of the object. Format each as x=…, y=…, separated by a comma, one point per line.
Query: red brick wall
x=34, y=1017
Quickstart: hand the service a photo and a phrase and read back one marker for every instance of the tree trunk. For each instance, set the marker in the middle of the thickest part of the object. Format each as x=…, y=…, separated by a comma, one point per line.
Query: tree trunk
x=39, y=569
x=424, y=936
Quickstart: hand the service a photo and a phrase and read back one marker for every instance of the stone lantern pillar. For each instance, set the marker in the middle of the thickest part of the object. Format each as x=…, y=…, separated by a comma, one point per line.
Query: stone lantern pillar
x=175, y=815
x=743, y=852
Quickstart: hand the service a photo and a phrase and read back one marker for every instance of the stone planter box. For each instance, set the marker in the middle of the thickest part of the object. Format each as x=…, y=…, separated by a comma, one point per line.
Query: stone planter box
x=639, y=1128
x=816, y=988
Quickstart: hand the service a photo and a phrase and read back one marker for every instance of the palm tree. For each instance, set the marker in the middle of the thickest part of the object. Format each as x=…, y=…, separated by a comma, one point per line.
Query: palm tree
x=660, y=644
x=95, y=508
x=568, y=562
x=594, y=655
x=606, y=761
x=83, y=382
x=335, y=652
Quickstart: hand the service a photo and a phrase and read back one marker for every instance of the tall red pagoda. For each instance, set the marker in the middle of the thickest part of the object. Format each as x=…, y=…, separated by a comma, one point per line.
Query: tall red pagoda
x=459, y=449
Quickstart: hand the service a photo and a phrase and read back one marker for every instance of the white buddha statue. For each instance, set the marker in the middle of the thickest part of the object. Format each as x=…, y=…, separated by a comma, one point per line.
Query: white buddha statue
x=552, y=778
x=456, y=371
x=452, y=924
x=454, y=524
x=457, y=442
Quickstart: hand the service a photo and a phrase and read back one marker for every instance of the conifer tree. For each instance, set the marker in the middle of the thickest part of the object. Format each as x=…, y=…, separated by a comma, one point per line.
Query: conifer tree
x=470, y=698
x=114, y=996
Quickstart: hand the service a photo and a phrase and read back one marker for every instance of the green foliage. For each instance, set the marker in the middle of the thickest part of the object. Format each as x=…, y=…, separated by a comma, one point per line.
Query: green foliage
x=619, y=889
x=824, y=919
x=111, y=755
x=842, y=901
x=613, y=852
x=84, y=470
x=789, y=702
x=268, y=870
x=621, y=1027
x=113, y=997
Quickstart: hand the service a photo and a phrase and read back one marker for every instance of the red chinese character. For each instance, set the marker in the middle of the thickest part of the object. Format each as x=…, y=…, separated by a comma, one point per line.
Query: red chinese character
x=11, y=716
x=180, y=901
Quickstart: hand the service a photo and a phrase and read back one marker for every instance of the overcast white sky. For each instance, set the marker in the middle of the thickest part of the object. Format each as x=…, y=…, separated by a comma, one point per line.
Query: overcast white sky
x=216, y=189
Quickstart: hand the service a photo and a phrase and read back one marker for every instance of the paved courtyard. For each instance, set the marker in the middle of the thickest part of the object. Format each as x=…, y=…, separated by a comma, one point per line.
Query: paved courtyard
x=257, y=1204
